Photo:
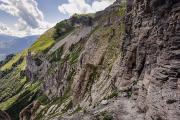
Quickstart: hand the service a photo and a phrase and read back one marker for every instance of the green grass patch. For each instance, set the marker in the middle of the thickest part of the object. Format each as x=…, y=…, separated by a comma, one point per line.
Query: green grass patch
x=23, y=100
x=5, y=105
x=122, y=9
x=43, y=99
x=44, y=42
x=112, y=95
x=15, y=59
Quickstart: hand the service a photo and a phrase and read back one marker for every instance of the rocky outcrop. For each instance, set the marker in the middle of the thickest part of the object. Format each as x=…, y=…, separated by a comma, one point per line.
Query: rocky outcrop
x=150, y=63
x=86, y=20
x=147, y=73
x=36, y=67
x=56, y=82
x=73, y=38
x=91, y=83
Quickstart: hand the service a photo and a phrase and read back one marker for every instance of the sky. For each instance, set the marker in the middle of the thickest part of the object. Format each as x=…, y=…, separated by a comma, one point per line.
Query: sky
x=33, y=17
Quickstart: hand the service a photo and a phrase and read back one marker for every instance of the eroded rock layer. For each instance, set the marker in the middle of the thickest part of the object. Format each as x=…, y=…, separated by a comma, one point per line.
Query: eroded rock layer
x=150, y=61
x=140, y=81
x=122, y=63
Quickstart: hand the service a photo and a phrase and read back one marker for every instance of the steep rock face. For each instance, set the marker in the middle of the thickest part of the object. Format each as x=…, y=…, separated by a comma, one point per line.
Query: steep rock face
x=150, y=61
x=78, y=67
x=58, y=78
x=36, y=67
x=91, y=83
x=56, y=83
x=98, y=41
x=114, y=66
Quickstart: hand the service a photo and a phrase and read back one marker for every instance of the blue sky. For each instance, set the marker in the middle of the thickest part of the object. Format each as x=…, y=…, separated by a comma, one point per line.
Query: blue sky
x=50, y=9
x=30, y=17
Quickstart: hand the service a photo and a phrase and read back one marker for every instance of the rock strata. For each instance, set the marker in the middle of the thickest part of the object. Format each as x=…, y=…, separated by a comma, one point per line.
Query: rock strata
x=150, y=58
x=122, y=63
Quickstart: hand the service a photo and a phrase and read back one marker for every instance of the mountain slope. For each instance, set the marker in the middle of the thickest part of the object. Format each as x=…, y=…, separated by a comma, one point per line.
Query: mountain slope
x=57, y=46
x=121, y=63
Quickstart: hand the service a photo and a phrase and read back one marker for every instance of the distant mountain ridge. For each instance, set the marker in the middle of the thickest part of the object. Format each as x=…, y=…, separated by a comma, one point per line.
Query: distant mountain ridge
x=13, y=44
x=7, y=37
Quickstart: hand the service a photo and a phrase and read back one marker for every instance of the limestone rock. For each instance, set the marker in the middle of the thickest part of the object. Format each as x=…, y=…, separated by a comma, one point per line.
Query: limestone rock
x=151, y=58
x=104, y=102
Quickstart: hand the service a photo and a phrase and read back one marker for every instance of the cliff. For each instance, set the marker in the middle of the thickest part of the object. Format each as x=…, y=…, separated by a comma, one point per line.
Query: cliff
x=118, y=64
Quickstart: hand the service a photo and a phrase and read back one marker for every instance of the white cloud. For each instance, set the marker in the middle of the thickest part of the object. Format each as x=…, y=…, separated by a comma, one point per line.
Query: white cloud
x=82, y=7
x=4, y=29
x=100, y=5
x=30, y=18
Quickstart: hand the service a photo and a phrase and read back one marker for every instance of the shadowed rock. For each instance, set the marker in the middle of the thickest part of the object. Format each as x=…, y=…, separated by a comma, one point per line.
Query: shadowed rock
x=4, y=116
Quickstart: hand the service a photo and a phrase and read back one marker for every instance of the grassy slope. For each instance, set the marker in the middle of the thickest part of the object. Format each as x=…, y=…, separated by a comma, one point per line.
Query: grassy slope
x=14, y=87
x=44, y=42
x=15, y=90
